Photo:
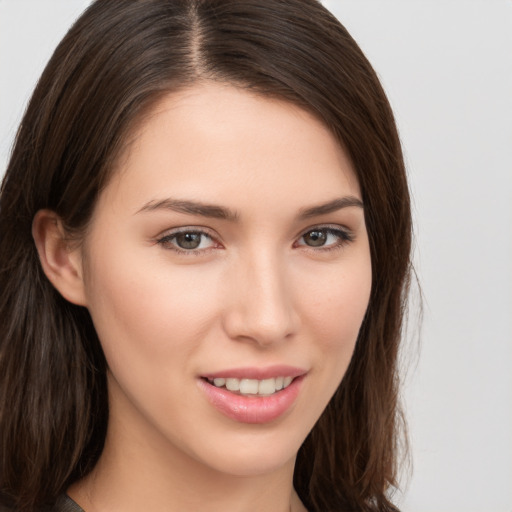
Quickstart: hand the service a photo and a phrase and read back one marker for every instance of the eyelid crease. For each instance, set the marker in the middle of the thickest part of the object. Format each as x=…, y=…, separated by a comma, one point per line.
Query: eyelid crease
x=337, y=228
x=168, y=233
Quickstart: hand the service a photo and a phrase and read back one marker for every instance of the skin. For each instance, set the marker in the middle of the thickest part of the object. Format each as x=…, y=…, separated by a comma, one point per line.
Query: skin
x=254, y=293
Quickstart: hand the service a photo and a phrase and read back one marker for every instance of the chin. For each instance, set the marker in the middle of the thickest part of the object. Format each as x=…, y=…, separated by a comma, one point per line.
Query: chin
x=251, y=452
x=255, y=463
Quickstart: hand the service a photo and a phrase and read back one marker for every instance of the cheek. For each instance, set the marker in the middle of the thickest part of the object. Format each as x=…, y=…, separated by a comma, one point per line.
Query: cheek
x=335, y=310
x=145, y=308
x=332, y=313
x=336, y=305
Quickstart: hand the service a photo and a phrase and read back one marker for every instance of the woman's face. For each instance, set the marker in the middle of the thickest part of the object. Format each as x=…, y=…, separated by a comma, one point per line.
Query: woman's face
x=230, y=245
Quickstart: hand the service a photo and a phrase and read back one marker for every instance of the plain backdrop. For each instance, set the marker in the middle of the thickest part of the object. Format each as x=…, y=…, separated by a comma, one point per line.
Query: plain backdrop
x=447, y=68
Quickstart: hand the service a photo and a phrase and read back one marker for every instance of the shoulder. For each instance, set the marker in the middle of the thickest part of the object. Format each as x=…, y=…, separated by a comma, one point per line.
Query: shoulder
x=63, y=504
x=66, y=504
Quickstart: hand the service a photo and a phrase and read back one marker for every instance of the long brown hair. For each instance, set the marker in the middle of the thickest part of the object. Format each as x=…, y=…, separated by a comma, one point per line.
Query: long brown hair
x=117, y=60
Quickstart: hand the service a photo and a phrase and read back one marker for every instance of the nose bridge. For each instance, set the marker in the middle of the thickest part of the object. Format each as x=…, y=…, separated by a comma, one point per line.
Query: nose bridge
x=262, y=307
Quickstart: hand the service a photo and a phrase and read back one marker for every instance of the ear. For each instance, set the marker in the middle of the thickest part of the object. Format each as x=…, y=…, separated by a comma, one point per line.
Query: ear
x=61, y=262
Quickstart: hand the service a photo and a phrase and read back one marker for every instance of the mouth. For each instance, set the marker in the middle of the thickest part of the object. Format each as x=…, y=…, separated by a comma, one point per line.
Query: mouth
x=253, y=395
x=252, y=387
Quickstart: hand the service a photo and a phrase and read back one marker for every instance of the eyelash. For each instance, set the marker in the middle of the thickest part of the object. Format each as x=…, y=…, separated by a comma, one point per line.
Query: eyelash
x=167, y=241
x=344, y=237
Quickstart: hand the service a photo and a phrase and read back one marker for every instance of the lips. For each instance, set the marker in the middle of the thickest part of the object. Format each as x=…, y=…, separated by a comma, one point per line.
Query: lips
x=253, y=395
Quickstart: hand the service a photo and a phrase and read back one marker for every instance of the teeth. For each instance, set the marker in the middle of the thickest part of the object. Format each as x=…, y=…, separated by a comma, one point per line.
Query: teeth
x=249, y=386
x=267, y=387
x=232, y=384
x=253, y=386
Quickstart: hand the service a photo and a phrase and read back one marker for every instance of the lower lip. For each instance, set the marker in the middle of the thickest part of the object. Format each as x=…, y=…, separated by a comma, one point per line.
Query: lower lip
x=252, y=409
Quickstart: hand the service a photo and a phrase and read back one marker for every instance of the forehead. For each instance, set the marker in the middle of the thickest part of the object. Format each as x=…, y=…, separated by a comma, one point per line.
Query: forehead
x=215, y=138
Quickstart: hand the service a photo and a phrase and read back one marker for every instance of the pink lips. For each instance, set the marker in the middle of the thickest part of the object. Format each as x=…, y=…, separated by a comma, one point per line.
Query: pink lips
x=253, y=409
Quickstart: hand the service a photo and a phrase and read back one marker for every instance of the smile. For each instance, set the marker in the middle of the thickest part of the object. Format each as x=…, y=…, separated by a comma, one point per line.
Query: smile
x=253, y=395
x=265, y=387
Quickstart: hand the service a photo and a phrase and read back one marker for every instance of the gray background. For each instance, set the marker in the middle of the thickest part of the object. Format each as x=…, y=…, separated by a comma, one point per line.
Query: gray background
x=447, y=67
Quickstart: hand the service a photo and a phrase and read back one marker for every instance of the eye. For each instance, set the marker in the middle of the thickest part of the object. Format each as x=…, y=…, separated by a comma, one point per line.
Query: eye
x=325, y=238
x=187, y=241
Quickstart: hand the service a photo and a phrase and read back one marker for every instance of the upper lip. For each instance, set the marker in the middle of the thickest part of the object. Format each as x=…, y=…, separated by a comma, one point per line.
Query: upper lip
x=257, y=373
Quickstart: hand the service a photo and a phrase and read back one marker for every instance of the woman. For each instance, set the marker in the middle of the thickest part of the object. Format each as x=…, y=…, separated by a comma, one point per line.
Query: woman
x=205, y=231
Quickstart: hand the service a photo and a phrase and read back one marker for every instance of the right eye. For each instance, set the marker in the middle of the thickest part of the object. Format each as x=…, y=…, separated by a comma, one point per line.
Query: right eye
x=187, y=241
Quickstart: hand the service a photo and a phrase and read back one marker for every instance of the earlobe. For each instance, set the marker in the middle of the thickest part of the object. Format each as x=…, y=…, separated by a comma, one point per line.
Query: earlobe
x=61, y=263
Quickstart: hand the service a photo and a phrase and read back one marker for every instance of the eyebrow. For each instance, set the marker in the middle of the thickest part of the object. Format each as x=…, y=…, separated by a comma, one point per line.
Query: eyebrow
x=192, y=208
x=331, y=206
x=220, y=212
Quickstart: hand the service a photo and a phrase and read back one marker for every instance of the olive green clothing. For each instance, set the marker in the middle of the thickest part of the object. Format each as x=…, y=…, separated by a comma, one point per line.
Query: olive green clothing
x=64, y=504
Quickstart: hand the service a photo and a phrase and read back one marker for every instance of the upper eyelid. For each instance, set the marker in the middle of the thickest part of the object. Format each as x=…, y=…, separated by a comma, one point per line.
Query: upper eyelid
x=188, y=229
x=208, y=231
x=333, y=227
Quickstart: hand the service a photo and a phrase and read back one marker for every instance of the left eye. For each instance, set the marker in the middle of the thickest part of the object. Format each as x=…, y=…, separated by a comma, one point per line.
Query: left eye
x=324, y=237
x=187, y=240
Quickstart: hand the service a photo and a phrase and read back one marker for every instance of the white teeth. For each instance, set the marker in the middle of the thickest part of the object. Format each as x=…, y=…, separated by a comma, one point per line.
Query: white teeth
x=253, y=386
x=249, y=386
x=233, y=384
x=267, y=386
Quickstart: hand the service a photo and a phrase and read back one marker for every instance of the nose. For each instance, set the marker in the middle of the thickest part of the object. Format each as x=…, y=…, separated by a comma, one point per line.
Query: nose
x=261, y=307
